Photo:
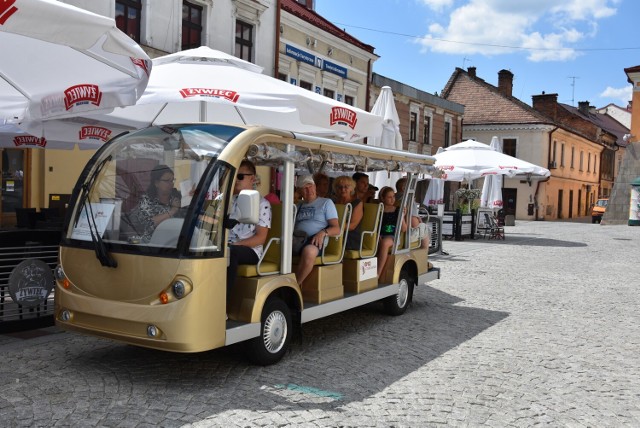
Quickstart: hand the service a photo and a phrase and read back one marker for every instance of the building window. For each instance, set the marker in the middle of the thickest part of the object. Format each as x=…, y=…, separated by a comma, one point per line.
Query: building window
x=191, y=25
x=588, y=162
x=447, y=133
x=581, y=161
x=562, y=154
x=244, y=40
x=348, y=99
x=555, y=144
x=426, y=131
x=128, y=14
x=306, y=85
x=509, y=146
x=329, y=93
x=413, y=126
x=283, y=77
x=573, y=155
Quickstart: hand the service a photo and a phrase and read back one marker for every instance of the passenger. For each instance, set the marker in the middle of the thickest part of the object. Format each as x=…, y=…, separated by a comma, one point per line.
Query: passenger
x=246, y=240
x=318, y=219
x=322, y=185
x=417, y=226
x=401, y=185
x=363, y=191
x=344, y=190
x=161, y=202
x=388, y=229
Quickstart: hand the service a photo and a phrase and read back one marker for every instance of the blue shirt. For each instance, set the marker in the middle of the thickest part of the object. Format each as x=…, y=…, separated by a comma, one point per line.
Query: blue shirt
x=314, y=216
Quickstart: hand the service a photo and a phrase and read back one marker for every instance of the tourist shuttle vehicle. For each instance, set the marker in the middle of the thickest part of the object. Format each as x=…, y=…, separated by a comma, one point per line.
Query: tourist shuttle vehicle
x=167, y=290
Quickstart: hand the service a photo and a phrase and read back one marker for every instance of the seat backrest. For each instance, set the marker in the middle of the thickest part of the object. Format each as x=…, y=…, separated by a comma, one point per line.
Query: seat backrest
x=488, y=223
x=370, y=228
x=167, y=233
x=272, y=243
x=334, y=251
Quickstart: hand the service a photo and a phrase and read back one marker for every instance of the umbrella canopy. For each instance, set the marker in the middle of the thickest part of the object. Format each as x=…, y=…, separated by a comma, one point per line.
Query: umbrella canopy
x=390, y=137
x=61, y=134
x=61, y=61
x=482, y=161
x=492, y=187
x=435, y=192
x=204, y=85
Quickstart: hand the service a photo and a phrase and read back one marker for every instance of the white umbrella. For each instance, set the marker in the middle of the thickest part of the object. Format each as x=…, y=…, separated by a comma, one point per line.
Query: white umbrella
x=61, y=134
x=482, y=161
x=492, y=187
x=389, y=138
x=61, y=61
x=204, y=85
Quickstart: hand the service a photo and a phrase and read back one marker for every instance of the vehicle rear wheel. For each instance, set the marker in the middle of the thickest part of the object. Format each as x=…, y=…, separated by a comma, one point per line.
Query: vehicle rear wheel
x=275, y=334
x=398, y=304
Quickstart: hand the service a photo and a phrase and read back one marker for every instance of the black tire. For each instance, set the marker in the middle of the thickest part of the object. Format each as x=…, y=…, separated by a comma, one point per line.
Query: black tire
x=398, y=304
x=275, y=334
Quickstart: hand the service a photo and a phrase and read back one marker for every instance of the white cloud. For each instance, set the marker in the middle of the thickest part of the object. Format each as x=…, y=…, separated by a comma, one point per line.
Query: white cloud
x=542, y=28
x=622, y=94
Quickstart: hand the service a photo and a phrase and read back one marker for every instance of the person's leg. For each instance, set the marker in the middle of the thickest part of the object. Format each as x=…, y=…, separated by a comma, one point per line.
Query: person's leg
x=307, y=257
x=238, y=255
x=383, y=253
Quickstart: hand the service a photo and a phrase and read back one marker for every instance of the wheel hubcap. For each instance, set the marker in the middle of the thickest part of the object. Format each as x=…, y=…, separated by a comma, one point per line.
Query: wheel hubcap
x=275, y=331
x=403, y=293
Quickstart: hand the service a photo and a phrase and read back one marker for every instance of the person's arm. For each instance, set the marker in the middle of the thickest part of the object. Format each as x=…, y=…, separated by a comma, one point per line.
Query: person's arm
x=356, y=216
x=258, y=238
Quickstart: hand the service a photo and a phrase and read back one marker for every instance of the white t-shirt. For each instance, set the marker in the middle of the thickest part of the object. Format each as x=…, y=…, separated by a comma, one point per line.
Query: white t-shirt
x=243, y=231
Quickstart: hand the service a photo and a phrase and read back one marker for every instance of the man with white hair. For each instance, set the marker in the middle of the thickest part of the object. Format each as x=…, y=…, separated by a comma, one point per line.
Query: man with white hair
x=318, y=219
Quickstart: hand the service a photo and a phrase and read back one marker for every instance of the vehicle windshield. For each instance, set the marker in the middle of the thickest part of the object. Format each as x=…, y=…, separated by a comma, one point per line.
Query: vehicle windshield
x=602, y=202
x=136, y=193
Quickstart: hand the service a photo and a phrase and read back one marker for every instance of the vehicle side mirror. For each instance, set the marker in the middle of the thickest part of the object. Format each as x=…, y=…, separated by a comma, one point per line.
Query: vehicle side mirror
x=248, y=206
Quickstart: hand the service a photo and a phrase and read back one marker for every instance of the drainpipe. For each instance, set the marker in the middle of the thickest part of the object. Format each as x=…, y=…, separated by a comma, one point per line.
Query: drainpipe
x=535, y=195
x=366, y=102
x=276, y=68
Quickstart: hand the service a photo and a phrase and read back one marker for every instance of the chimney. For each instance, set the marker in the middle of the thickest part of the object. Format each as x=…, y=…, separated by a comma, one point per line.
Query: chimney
x=583, y=107
x=546, y=104
x=472, y=72
x=505, y=82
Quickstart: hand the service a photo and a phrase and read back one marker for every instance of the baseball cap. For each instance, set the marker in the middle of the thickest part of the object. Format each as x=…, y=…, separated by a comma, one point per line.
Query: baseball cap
x=303, y=180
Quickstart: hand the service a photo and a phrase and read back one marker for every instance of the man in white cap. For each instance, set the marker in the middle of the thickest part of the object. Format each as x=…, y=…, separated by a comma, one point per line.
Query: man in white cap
x=318, y=218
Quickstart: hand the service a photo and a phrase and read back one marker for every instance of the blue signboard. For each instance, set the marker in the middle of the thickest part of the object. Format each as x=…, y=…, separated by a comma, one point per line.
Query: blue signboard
x=300, y=55
x=335, y=69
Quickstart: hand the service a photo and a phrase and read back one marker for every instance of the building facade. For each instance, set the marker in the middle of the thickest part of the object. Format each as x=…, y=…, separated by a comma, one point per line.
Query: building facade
x=526, y=133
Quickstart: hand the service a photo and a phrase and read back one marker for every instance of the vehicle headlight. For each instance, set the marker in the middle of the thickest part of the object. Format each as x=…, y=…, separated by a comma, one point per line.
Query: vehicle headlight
x=179, y=289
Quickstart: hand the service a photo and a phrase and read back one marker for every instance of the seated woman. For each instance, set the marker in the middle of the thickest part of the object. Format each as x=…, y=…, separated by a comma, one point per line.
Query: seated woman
x=246, y=240
x=161, y=202
x=388, y=229
x=344, y=191
x=317, y=218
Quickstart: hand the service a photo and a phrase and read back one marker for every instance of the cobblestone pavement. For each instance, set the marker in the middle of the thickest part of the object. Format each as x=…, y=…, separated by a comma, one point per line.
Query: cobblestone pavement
x=541, y=328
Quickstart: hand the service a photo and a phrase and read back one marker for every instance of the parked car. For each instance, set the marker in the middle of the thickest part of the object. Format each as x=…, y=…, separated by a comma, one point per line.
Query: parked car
x=598, y=210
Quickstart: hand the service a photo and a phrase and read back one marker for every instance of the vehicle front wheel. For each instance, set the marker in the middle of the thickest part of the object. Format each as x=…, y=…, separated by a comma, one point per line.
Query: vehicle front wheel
x=275, y=334
x=398, y=304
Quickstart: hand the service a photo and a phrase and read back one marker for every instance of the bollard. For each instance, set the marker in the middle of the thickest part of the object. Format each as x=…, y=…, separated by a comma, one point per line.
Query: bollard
x=634, y=203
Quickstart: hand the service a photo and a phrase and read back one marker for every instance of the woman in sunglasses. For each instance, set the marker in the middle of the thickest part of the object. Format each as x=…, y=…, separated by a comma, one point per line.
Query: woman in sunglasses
x=246, y=240
x=161, y=202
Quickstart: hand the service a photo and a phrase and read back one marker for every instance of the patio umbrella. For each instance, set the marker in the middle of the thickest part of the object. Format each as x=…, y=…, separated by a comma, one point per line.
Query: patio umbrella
x=204, y=85
x=61, y=134
x=482, y=161
x=61, y=61
x=390, y=136
x=492, y=187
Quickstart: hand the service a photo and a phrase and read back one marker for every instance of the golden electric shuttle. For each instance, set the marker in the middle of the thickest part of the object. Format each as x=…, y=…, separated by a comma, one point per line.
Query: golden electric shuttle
x=166, y=289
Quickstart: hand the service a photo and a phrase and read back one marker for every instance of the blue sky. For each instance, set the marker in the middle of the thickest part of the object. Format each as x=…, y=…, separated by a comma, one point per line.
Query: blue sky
x=575, y=48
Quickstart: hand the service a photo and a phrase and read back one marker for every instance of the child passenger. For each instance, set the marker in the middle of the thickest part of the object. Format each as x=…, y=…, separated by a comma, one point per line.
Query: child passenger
x=390, y=215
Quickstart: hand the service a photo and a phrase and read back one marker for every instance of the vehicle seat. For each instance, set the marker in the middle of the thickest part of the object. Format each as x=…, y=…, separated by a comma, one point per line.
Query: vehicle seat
x=370, y=232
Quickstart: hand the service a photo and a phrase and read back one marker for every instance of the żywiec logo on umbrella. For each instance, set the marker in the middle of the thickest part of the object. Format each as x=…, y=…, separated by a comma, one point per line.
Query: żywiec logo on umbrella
x=29, y=140
x=94, y=133
x=227, y=94
x=82, y=94
x=142, y=63
x=6, y=10
x=343, y=116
